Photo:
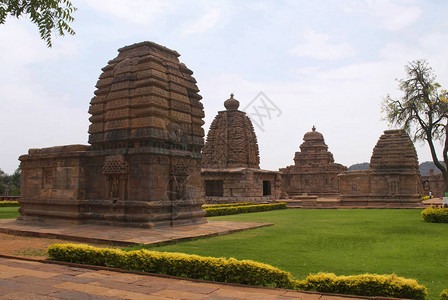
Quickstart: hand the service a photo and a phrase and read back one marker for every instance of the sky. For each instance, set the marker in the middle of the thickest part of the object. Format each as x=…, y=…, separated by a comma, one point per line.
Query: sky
x=291, y=64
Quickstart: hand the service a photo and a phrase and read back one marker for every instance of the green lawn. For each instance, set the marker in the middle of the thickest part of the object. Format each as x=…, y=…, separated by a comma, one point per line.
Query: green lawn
x=9, y=212
x=345, y=242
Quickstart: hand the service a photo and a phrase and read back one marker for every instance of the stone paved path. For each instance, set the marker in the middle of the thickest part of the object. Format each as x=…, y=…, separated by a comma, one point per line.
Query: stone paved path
x=21, y=279
x=124, y=235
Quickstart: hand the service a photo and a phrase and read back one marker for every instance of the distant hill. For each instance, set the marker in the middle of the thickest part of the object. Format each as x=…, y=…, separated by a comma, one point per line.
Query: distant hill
x=359, y=167
x=426, y=166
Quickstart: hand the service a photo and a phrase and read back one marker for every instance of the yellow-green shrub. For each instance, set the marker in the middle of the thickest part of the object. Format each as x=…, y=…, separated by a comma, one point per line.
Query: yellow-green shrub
x=435, y=215
x=232, y=210
x=175, y=264
x=444, y=295
x=9, y=203
x=364, y=285
x=206, y=206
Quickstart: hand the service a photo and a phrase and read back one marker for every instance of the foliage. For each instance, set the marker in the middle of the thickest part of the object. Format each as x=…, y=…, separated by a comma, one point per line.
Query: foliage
x=340, y=241
x=426, y=197
x=364, y=285
x=444, y=295
x=235, y=271
x=206, y=206
x=10, y=184
x=422, y=111
x=48, y=15
x=239, y=209
x=435, y=215
x=9, y=204
x=175, y=264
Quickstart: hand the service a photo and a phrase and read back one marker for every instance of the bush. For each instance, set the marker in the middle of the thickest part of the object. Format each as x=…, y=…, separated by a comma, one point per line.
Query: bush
x=444, y=295
x=427, y=197
x=175, y=264
x=364, y=285
x=435, y=215
x=206, y=206
x=9, y=203
x=232, y=210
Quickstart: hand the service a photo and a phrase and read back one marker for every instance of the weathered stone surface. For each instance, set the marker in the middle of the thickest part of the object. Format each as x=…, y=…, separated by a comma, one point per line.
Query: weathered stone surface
x=393, y=179
x=230, y=164
x=434, y=184
x=143, y=166
x=314, y=171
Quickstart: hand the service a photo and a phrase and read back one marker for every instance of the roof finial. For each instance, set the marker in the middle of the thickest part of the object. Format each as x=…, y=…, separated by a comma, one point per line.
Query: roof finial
x=231, y=103
x=314, y=128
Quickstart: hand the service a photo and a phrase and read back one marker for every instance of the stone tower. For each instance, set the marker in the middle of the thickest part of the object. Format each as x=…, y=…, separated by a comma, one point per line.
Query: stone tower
x=231, y=164
x=231, y=140
x=393, y=178
x=143, y=166
x=314, y=171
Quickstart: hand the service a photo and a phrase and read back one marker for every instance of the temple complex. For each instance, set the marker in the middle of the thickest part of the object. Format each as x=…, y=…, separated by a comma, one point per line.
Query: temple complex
x=393, y=178
x=142, y=167
x=231, y=163
x=314, y=171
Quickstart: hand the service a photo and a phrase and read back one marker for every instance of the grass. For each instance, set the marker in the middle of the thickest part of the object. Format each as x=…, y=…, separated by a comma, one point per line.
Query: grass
x=345, y=242
x=9, y=212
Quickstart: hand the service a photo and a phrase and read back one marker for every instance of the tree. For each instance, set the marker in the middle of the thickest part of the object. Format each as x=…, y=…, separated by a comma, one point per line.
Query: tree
x=10, y=184
x=422, y=111
x=48, y=15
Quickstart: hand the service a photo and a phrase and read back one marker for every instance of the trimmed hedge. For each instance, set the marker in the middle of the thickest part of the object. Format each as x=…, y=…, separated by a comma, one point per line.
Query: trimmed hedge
x=233, y=210
x=364, y=285
x=206, y=206
x=435, y=215
x=9, y=203
x=444, y=295
x=235, y=271
x=175, y=264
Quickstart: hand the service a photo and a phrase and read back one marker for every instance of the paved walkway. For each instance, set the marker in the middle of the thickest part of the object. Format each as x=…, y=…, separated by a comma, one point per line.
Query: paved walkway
x=21, y=279
x=123, y=236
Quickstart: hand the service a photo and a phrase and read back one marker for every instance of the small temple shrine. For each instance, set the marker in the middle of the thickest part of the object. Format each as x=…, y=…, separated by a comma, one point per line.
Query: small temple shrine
x=392, y=180
x=230, y=161
x=142, y=167
x=314, y=171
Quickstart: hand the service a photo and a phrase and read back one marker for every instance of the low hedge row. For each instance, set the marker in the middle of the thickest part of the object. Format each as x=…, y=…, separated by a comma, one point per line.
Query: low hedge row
x=175, y=264
x=233, y=210
x=364, y=285
x=444, y=295
x=205, y=206
x=9, y=203
x=235, y=271
x=435, y=215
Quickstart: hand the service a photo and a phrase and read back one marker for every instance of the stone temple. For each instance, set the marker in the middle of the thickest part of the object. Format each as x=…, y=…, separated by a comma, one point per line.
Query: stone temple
x=314, y=171
x=142, y=167
x=393, y=178
x=231, y=163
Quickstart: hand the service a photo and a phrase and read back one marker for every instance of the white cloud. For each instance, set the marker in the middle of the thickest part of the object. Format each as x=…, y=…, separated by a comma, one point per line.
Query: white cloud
x=392, y=15
x=206, y=22
x=136, y=11
x=318, y=46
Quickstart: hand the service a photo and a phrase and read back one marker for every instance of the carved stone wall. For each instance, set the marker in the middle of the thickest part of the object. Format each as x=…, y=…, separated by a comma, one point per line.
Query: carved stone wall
x=393, y=179
x=143, y=166
x=314, y=171
x=231, y=163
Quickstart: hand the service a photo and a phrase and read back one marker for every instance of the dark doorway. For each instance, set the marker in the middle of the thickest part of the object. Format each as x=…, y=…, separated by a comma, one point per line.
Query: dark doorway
x=213, y=188
x=266, y=188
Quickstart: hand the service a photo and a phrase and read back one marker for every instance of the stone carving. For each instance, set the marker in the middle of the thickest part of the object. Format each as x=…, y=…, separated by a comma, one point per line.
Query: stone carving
x=230, y=164
x=393, y=179
x=142, y=167
x=314, y=171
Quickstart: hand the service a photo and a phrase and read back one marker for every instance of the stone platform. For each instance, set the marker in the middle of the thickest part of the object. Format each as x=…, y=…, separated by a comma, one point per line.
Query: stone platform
x=125, y=236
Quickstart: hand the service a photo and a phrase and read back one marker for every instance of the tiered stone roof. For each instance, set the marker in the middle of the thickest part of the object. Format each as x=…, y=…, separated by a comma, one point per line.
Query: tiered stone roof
x=314, y=152
x=394, y=151
x=231, y=140
x=146, y=98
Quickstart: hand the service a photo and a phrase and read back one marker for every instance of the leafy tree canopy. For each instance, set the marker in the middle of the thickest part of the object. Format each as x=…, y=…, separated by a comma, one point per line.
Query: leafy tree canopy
x=48, y=15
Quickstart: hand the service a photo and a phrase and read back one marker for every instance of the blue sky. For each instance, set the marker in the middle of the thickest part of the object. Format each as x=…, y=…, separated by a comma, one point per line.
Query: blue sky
x=322, y=63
